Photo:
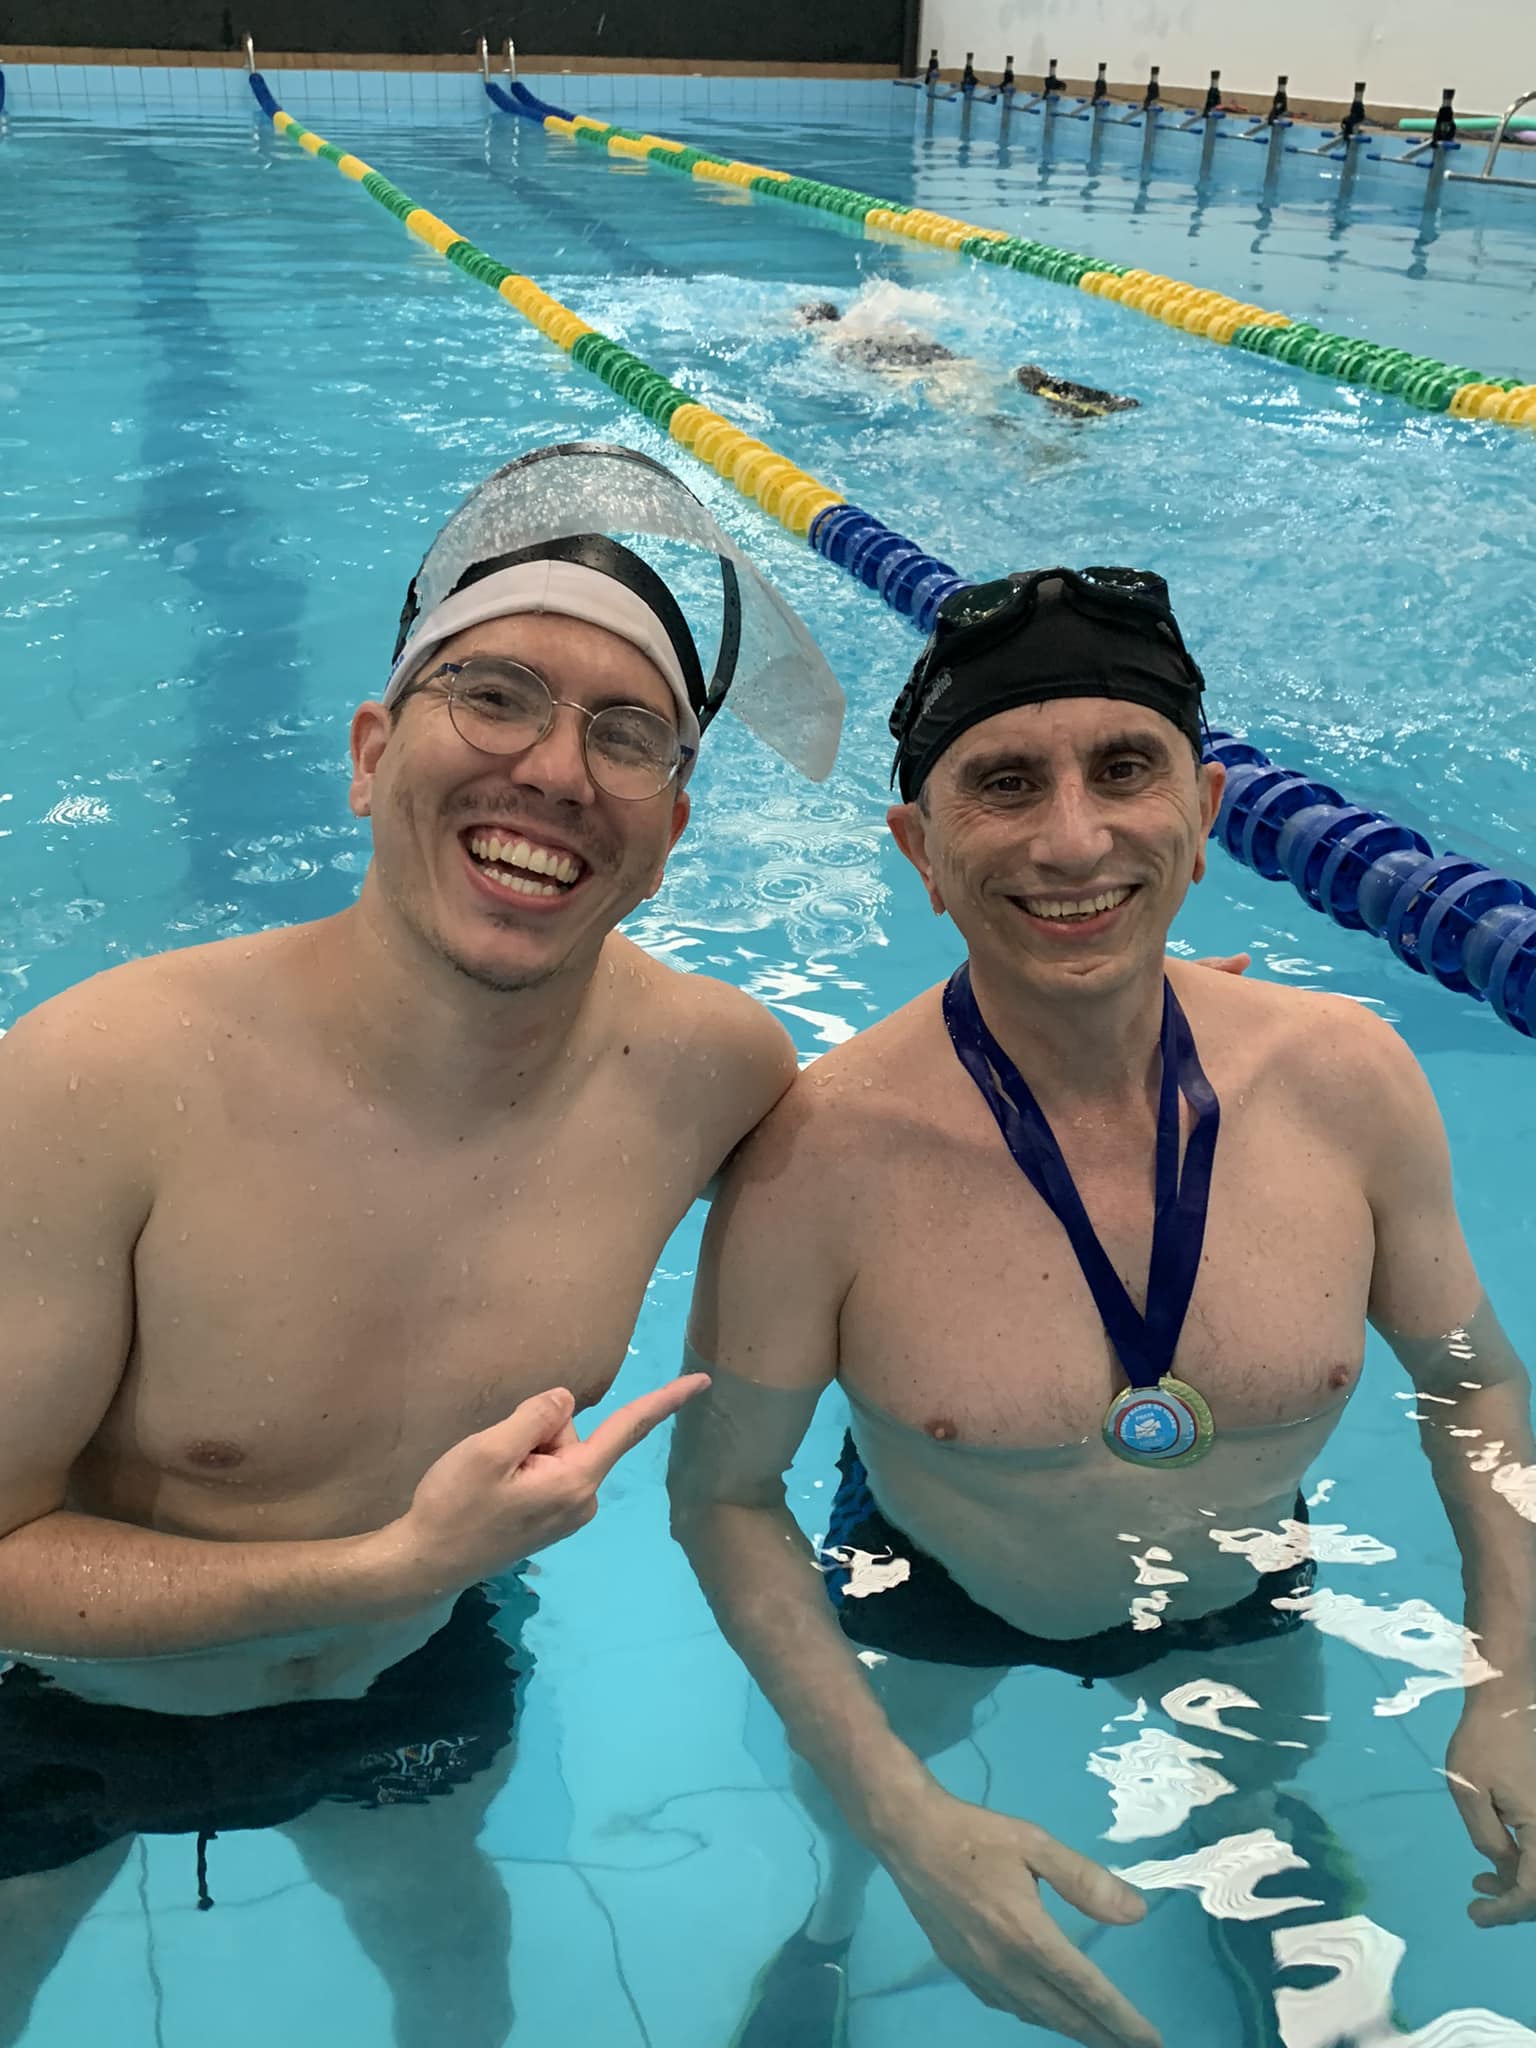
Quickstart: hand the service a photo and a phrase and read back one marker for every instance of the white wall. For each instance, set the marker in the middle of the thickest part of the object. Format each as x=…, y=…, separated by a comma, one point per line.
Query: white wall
x=1405, y=50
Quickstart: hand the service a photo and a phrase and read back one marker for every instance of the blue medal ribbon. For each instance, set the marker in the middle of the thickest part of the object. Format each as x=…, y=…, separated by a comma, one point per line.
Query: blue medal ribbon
x=1158, y=1418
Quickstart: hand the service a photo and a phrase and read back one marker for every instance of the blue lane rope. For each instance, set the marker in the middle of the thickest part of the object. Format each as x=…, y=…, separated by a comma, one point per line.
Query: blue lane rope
x=1467, y=926
x=515, y=98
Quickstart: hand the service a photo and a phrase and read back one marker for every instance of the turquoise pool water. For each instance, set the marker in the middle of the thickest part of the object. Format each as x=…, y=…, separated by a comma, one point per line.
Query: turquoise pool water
x=234, y=399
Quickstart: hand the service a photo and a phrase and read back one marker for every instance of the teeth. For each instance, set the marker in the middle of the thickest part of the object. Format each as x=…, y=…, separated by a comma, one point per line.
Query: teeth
x=520, y=853
x=522, y=885
x=1083, y=907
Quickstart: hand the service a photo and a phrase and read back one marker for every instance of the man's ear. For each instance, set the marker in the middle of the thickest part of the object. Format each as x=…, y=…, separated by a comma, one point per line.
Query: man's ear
x=1213, y=780
x=371, y=728
x=909, y=829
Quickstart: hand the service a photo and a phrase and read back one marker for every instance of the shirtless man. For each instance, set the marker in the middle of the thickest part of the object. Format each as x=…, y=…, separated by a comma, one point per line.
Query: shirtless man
x=878, y=1229
x=312, y=1244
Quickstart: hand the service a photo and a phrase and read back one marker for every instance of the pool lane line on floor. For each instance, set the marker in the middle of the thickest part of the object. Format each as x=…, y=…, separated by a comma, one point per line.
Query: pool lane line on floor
x=1471, y=928
x=1423, y=381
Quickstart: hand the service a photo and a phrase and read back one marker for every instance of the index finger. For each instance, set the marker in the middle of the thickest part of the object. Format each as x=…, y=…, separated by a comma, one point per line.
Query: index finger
x=632, y=1424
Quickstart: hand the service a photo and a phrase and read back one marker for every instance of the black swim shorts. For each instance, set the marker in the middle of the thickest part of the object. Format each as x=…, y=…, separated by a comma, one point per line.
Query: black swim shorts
x=929, y=1616
x=76, y=1775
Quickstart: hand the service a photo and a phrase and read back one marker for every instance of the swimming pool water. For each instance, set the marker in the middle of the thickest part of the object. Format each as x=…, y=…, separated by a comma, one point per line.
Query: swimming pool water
x=234, y=400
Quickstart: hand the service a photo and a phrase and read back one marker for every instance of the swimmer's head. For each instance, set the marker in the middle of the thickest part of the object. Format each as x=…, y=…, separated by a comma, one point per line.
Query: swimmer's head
x=1049, y=760
x=509, y=836
x=541, y=663
x=816, y=311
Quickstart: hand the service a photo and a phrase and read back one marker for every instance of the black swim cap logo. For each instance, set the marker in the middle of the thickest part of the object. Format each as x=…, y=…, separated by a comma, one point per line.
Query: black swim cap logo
x=941, y=682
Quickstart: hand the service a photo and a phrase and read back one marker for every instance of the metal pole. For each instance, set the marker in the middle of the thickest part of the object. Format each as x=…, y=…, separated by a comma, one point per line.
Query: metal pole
x=1276, y=151
x=1208, y=145
x=1149, y=141
x=1439, y=164
x=485, y=62
x=250, y=55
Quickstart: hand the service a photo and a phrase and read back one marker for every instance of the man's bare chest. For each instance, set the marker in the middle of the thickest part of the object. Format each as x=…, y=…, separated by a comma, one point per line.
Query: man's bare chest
x=320, y=1313
x=972, y=1319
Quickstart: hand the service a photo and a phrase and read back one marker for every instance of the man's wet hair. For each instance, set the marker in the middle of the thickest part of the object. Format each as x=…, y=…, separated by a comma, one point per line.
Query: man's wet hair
x=1078, y=401
x=816, y=310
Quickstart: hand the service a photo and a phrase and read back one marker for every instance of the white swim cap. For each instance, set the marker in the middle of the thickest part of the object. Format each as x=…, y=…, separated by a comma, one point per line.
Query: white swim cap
x=539, y=536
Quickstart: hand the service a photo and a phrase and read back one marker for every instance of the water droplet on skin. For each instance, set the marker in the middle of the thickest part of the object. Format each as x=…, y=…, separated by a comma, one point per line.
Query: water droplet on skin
x=210, y=1055
x=186, y=1022
x=74, y=1083
x=180, y=1104
x=184, y=1236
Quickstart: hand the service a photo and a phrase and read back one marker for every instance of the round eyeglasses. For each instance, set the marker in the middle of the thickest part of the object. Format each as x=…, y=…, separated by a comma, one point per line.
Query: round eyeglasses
x=501, y=707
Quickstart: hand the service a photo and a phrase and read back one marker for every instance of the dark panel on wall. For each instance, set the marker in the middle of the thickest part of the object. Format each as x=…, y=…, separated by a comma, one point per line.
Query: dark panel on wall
x=789, y=32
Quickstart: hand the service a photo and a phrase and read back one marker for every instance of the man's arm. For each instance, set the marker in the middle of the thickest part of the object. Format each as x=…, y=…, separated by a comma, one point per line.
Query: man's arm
x=773, y=1275
x=1475, y=1426
x=764, y=1325
x=1427, y=1301
x=75, y=1195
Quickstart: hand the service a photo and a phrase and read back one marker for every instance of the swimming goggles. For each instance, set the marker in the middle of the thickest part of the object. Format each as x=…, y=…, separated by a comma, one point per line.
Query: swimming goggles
x=972, y=622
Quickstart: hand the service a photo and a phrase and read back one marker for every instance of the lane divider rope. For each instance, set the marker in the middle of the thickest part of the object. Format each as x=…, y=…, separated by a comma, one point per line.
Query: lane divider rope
x=1472, y=929
x=906, y=576
x=1420, y=380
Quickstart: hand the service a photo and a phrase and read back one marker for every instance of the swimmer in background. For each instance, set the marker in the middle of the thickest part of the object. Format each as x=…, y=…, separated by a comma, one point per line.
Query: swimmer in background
x=892, y=347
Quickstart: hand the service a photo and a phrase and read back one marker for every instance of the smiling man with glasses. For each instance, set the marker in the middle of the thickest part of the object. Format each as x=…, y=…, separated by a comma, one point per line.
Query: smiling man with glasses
x=313, y=1243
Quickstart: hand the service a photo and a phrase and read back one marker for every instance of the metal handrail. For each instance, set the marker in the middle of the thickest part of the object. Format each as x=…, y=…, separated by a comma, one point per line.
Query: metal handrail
x=485, y=61
x=250, y=54
x=1499, y=133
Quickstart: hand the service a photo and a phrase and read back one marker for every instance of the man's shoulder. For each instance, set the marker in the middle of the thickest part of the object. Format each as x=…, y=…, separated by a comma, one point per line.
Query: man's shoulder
x=849, y=1106
x=132, y=1019
x=699, y=1039
x=1335, y=1055
x=694, y=1014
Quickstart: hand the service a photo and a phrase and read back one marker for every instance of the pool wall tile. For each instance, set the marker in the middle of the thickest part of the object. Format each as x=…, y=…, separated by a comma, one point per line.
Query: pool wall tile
x=129, y=95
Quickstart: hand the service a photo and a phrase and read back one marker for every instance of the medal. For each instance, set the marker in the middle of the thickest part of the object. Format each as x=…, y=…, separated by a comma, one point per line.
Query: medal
x=1157, y=1419
x=1168, y=1424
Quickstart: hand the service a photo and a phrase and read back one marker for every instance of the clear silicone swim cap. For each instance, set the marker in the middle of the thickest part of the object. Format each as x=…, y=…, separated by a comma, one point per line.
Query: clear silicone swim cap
x=627, y=518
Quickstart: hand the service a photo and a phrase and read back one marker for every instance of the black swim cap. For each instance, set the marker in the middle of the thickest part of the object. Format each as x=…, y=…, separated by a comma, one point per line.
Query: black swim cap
x=1035, y=636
